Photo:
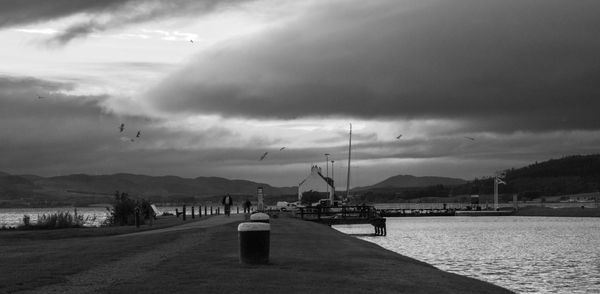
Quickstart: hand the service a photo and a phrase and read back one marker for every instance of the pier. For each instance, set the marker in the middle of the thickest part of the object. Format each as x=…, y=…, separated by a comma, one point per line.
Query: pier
x=416, y=212
x=345, y=215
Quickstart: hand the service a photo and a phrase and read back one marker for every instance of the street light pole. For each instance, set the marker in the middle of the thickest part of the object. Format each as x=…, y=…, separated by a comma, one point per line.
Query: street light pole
x=332, y=181
x=349, y=156
x=327, y=174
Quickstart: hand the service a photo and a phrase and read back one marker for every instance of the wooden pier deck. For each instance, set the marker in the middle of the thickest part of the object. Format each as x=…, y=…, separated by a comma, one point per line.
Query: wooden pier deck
x=345, y=215
x=416, y=212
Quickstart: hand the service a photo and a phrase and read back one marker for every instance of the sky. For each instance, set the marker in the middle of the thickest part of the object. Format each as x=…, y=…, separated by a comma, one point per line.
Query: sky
x=470, y=87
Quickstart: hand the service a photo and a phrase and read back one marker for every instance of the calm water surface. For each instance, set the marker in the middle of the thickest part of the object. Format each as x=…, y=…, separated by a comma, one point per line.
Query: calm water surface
x=524, y=254
x=13, y=217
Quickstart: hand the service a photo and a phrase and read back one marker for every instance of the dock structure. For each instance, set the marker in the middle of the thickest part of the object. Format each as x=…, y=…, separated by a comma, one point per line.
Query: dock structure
x=400, y=212
x=345, y=215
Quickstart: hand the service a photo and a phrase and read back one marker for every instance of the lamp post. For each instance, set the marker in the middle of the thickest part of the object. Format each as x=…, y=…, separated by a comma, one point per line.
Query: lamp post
x=327, y=169
x=497, y=180
x=332, y=181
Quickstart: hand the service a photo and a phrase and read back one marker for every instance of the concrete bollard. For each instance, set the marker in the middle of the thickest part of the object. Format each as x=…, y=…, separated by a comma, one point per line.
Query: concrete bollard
x=254, y=241
x=260, y=217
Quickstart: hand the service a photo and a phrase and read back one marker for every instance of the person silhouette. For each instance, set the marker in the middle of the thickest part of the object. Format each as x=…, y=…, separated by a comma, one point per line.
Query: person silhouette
x=227, y=202
x=247, y=206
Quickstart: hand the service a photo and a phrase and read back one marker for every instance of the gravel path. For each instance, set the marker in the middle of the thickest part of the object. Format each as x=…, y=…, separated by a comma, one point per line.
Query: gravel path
x=102, y=277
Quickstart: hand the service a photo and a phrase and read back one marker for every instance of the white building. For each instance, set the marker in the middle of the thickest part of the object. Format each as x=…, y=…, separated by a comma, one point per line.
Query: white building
x=316, y=182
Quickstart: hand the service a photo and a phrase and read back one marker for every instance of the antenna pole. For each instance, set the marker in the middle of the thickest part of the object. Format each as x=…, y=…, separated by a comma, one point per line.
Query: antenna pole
x=349, y=156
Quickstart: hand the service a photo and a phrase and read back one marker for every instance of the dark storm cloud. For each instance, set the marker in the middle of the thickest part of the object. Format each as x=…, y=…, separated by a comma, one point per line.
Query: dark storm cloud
x=497, y=65
x=101, y=14
x=21, y=12
x=36, y=113
x=45, y=131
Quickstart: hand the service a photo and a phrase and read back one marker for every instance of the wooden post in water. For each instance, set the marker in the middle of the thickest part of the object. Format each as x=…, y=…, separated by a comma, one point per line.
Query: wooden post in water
x=199, y=211
x=238, y=209
x=184, y=212
x=193, y=216
x=177, y=212
x=211, y=211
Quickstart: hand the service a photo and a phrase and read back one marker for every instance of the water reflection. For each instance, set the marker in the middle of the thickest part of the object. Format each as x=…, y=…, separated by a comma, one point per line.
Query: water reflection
x=524, y=254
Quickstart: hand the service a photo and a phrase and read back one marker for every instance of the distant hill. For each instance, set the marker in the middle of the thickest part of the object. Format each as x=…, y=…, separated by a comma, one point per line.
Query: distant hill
x=408, y=181
x=569, y=175
x=13, y=187
x=564, y=176
x=82, y=188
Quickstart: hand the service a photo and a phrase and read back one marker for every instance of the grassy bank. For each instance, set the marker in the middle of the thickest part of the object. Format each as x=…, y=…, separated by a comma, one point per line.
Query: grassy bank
x=55, y=234
x=305, y=257
x=564, y=212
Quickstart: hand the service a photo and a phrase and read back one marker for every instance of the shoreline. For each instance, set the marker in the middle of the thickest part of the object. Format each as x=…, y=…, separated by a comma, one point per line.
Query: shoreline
x=305, y=256
x=557, y=212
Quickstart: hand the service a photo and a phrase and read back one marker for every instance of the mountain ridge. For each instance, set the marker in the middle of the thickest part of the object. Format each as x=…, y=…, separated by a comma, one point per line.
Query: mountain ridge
x=410, y=181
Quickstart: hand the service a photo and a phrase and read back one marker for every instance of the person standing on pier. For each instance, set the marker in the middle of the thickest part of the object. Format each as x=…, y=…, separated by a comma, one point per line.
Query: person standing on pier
x=247, y=206
x=227, y=202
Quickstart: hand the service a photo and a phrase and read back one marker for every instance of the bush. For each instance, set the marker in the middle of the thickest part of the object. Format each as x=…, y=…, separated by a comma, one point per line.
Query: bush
x=26, y=220
x=59, y=220
x=6, y=228
x=123, y=210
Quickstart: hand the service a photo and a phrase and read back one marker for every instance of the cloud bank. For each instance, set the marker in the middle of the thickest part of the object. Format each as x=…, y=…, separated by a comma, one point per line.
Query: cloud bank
x=498, y=66
x=100, y=15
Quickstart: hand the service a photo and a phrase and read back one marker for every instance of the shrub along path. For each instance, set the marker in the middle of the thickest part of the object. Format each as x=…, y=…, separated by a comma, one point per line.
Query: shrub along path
x=305, y=257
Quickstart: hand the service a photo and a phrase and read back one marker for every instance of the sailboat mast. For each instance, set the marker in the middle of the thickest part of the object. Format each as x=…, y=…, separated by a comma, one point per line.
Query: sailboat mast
x=349, y=156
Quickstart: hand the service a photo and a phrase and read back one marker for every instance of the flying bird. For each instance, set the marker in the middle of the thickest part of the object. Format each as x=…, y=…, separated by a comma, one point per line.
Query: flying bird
x=263, y=156
x=399, y=137
x=121, y=128
x=281, y=148
x=41, y=97
x=139, y=133
x=191, y=41
x=470, y=138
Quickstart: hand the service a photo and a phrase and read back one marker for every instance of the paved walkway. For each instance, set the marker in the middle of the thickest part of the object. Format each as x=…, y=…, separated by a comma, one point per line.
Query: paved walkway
x=102, y=277
x=211, y=221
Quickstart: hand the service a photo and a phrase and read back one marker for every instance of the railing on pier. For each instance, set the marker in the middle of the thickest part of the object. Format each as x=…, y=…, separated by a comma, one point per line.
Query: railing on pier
x=327, y=212
x=332, y=215
x=400, y=212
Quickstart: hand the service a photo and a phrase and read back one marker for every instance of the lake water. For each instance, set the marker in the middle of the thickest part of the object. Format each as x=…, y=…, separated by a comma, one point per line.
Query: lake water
x=12, y=217
x=524, y=254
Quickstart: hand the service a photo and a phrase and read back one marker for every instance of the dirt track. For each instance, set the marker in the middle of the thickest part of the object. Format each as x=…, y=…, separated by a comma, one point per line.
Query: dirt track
x=103, y=277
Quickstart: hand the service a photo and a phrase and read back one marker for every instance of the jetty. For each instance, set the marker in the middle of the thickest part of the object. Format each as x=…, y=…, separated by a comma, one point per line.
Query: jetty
x=345, y=215
x=416, y=212
x=305, y=257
